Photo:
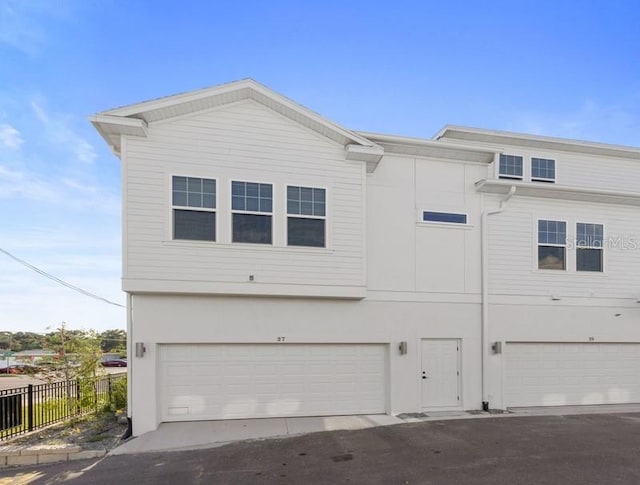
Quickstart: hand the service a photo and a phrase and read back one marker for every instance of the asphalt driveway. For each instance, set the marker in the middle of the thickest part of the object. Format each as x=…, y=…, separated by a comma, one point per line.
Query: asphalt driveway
x=584, y=449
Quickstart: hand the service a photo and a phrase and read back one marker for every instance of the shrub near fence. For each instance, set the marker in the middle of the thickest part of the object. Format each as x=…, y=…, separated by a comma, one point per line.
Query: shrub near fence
x=25, y=409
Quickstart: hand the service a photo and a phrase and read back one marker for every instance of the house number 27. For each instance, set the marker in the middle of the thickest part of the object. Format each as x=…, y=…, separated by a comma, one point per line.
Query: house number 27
x=280, y=339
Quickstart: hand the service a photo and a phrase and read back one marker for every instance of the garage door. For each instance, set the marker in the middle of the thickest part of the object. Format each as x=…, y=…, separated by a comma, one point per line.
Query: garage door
x=233, y=381
x=557, y=374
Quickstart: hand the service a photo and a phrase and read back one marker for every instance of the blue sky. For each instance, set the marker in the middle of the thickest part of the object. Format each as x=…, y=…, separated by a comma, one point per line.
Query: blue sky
x=568, y=69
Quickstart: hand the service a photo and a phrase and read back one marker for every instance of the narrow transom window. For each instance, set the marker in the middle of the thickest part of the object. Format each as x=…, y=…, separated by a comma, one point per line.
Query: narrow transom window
x=251, y=208
x=510, y=167
x=552, y=244
x=543, y=170
x=589, y=256
x=447, y=217
x=306, y=216
x=194, y=208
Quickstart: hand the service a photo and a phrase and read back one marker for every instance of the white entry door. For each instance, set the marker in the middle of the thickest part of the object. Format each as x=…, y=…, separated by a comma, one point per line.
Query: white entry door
x=440, y=373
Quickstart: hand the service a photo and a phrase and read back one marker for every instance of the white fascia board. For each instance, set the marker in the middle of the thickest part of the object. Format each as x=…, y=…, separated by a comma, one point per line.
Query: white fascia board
x=429, y=148
x=562, y=192
x=537, y=141
x=369, y=154
x=252, y=88
x=111, y=128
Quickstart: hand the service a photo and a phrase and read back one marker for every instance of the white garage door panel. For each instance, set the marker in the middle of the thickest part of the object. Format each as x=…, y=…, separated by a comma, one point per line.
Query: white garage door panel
x=233, y=381
x=557, y=374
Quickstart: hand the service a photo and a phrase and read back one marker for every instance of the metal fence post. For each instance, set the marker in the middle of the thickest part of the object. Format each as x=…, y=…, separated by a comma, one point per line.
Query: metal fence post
x=30, y=407
x=109, y=388
x=78, y=397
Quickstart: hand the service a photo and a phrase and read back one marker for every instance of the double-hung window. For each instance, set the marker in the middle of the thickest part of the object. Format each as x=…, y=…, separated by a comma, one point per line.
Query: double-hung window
x=510, y=167
x=552, y=245
x=306, y=216
x=543, y=170
x=251, y=208
x=194, y=208
x=589, y=247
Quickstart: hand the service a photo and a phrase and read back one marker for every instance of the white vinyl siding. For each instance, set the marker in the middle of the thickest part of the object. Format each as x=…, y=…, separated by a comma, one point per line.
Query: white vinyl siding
x=513, y=251
x=242, y=141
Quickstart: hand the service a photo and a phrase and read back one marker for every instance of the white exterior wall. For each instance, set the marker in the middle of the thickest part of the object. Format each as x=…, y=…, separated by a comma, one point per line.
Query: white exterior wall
x=572, y=169
x=159, y=319
x=418, y=280
x=247, y=142
x=513, y=250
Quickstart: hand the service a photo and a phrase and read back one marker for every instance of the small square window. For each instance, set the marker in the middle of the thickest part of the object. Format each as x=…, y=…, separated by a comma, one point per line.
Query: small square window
x=510, y=167
x=543, y=170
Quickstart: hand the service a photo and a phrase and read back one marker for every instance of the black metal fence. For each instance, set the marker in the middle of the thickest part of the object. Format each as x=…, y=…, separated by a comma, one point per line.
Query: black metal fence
x=26, y=409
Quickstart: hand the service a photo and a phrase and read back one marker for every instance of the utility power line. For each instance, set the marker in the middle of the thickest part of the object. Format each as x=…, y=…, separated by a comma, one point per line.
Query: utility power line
x=59, y=281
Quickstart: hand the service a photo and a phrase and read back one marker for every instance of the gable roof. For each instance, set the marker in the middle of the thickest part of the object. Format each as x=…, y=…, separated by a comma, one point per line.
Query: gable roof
x=135, y=119
x=495, y=137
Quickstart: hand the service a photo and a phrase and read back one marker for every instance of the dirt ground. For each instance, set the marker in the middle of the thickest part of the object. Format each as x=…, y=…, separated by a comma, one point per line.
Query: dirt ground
x=91, y=432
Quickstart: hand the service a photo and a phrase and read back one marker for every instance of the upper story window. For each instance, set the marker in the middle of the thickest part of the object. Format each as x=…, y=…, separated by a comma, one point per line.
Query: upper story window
x=552, y=245
x=446, y=217
x=251, y=207
x=543, y=170
x=194, y=208
x=306, y=216
x=589, y=247
x=510, y=167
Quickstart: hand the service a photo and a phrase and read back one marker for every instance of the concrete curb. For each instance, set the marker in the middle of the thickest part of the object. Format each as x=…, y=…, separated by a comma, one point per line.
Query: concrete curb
x=20, y=455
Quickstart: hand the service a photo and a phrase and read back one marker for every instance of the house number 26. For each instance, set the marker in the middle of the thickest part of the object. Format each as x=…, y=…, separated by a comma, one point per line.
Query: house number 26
x=280, y=339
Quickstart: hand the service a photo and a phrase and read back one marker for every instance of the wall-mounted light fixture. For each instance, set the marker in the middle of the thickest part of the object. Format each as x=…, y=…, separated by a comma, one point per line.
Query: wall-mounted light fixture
x=402, y=348
x=496, y=347
x=140, y=349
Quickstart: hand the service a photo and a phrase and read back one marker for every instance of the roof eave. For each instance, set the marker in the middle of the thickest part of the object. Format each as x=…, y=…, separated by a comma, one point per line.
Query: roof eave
x=497, y=137
x=111, y=128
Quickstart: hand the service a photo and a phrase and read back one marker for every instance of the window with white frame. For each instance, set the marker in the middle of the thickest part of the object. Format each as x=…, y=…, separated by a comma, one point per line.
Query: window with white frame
x=552, y=245
x=251, y=212
x=444, y=217
x=194, y=208
x=589, y=255
x=306, y=216
x=510, y=167
x=543, y=170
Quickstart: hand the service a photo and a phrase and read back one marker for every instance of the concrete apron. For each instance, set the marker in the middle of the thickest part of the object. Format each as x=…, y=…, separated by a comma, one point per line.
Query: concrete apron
x=208, y=434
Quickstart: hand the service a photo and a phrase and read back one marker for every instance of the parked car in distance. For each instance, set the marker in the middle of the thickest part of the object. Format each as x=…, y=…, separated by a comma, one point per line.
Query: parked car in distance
x=20, y=369
x=114, y=363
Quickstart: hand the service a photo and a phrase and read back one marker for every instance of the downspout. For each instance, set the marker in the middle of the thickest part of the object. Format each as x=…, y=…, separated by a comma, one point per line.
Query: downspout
x=485, y=294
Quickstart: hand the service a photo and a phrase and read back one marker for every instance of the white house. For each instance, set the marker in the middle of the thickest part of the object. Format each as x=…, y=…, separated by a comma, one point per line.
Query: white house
x=277, y=264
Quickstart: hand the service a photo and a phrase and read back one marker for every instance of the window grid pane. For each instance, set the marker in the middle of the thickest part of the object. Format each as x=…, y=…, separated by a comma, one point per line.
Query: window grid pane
x=552, y=232
x=251, y=196
x=510, y=166
x=589, y=235
x=308, y=201
x=543, y=168
x=194, y=192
